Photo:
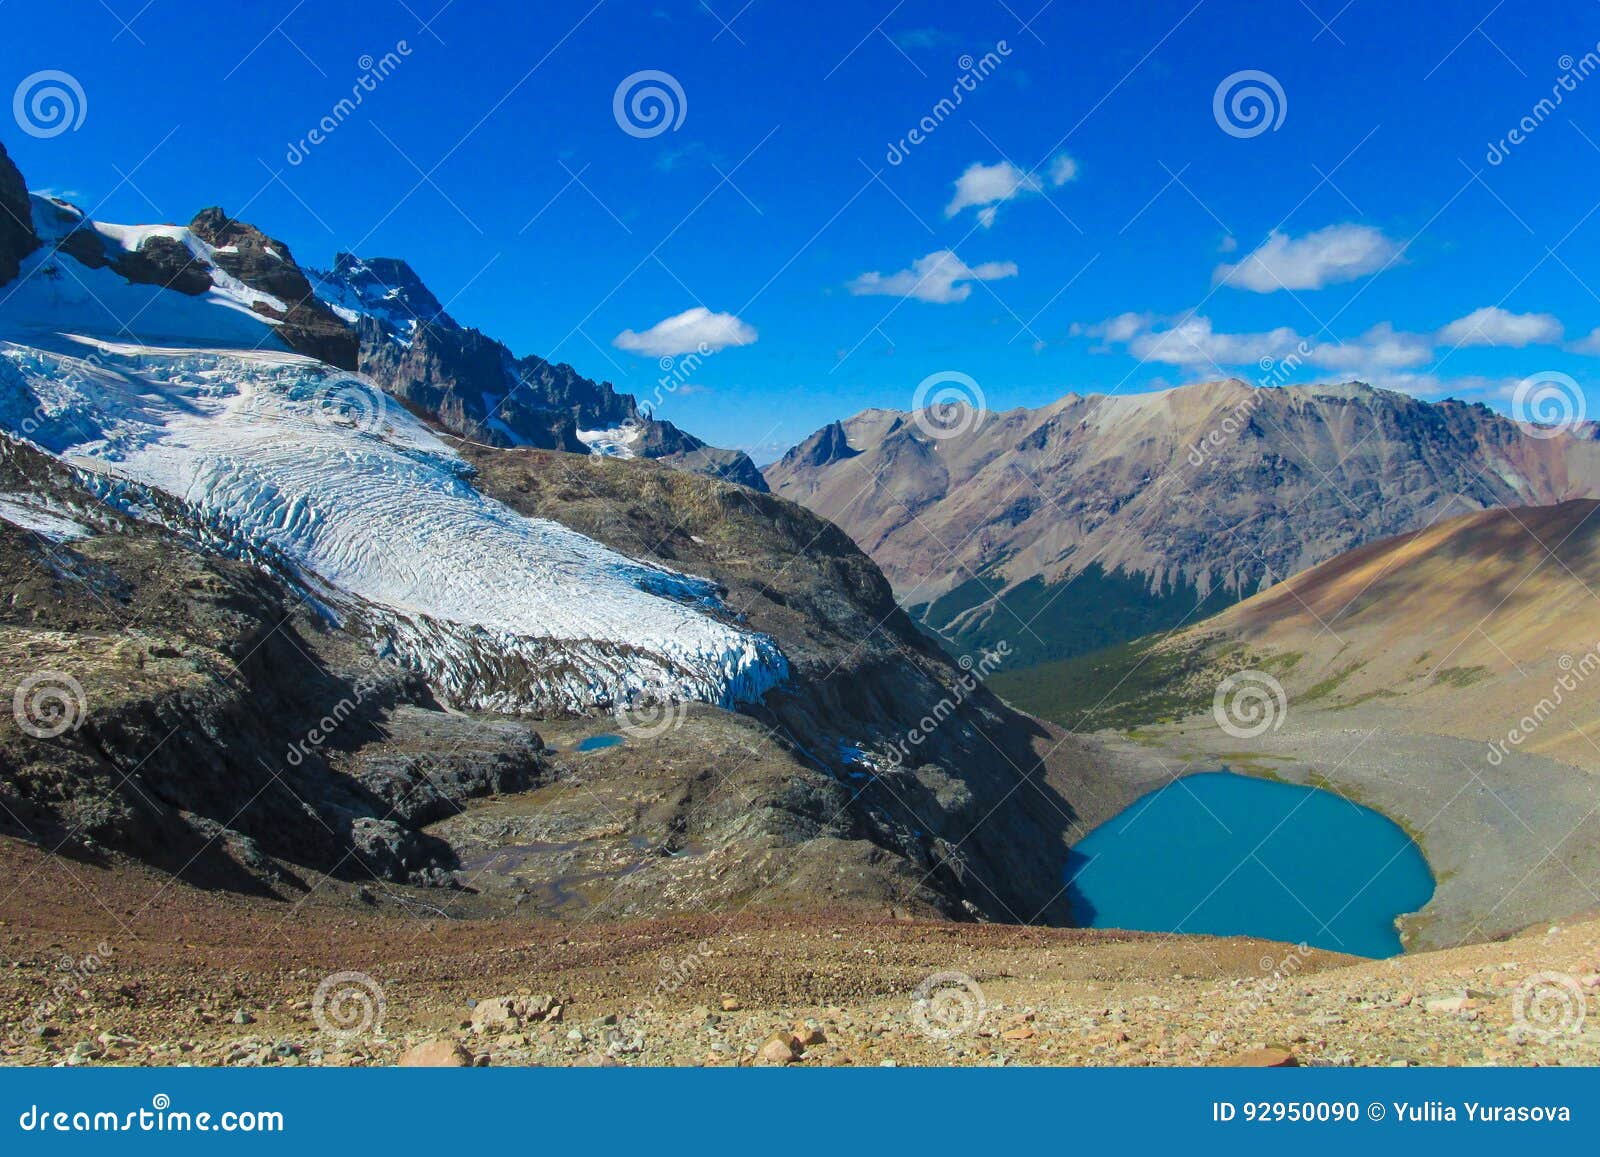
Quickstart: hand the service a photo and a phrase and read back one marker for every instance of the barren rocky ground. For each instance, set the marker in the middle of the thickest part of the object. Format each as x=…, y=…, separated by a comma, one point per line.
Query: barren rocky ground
x=116, y=964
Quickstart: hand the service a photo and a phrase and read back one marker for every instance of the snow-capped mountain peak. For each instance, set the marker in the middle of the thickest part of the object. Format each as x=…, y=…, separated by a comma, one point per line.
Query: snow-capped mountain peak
x=383, y=288
x=157, y=361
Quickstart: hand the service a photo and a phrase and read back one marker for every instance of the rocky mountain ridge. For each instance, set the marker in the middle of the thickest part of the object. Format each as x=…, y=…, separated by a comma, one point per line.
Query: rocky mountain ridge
x=1097, y=519
x=476, y=387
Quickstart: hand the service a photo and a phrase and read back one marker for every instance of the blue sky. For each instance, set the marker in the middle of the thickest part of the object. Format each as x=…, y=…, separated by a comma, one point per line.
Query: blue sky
x=1082, y=221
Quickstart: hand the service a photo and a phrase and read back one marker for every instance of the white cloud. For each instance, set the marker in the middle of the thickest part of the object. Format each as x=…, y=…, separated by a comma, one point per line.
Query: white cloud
x=1382, y=356
x=1325, y=257
x=1589, y=344
x=1117, y=330
x=1381, y=348
x=1196, y=345
x=939, y=277
x=1492, y=325
x=1062, y=170
x=1193, y=344
x=986, y=187
x=686, y=333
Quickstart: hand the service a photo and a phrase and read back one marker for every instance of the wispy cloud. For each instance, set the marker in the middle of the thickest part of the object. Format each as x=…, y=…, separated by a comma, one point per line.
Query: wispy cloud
x=987, y=187
x=1382, y=355
x=1325, y=257
x=940, y=277
x=691, y=330
x=1492, y=325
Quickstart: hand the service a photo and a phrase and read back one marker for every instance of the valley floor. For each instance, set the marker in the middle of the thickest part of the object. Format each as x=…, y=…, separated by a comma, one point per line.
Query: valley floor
x=114, y=964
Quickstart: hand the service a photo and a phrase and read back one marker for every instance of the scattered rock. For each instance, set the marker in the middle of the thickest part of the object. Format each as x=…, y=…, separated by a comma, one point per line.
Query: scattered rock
x=780, y=1049
x=1268, y=1058
x=501, y=1014
x=442, y=1053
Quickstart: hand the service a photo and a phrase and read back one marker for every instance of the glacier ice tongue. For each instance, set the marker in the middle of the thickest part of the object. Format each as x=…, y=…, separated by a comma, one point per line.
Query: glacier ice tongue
x=315, y=466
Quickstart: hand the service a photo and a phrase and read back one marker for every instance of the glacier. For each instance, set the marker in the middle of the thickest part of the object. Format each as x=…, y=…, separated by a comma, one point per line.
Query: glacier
x=283, y=457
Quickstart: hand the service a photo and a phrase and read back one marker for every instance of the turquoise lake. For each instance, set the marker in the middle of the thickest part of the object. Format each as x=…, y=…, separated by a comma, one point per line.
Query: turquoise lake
x=1233, y=855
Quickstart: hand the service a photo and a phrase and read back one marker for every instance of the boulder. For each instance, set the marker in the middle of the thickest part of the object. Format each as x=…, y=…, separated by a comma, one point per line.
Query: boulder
x=1268, y=1058
x=499, y=1014
x=780, y=1049
x=442, y=1053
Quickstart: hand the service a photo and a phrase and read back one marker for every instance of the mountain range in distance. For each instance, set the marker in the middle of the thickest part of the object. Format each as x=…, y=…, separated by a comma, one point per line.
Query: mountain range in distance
x=1098, y=519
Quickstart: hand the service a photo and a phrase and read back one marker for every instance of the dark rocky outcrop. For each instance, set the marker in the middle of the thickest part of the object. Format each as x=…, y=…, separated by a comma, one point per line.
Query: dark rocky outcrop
x=827, y=446
x=965, y=806
x=223, y=733
x=158, y=261
x=474, y=386
x=263, y=263
x=17, y=238
x=231, y=736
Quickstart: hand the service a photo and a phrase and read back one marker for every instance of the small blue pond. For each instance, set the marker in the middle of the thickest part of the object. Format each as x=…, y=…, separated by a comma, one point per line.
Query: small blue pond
x=1233, y=855
x=599, y=742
